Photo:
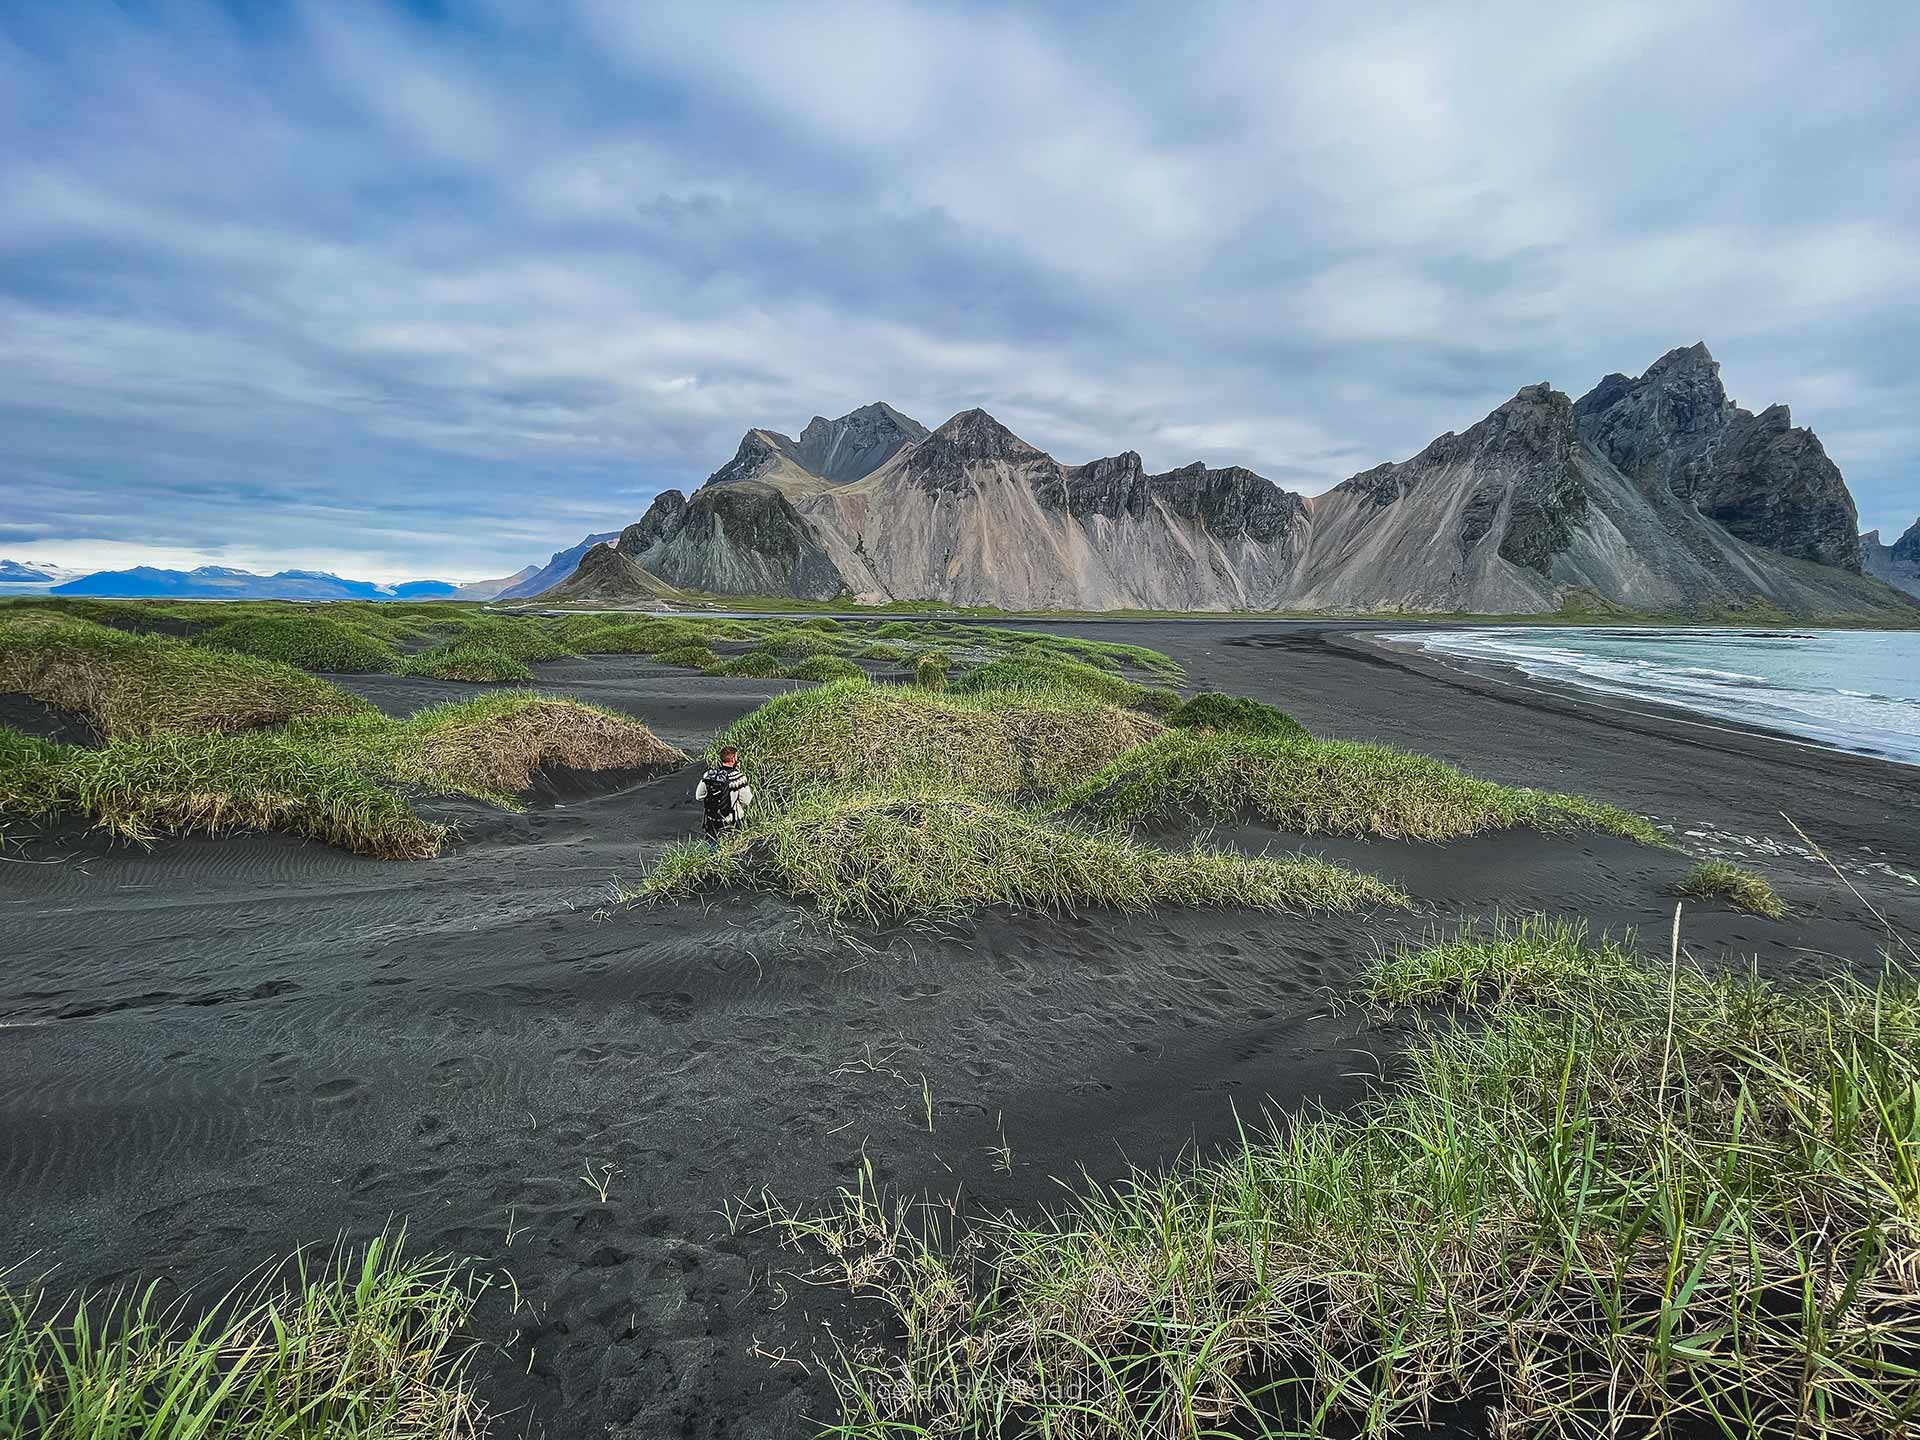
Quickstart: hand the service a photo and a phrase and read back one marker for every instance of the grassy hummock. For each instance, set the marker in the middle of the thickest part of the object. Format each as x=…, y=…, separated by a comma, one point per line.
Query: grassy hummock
x=755, y=664
x=133, y=684
x=468, y=660
x=1740, y=888
x=339, y=780
x=696, y=656
x=876, y=857
x=1618, y=1199
x=1212, y=710
x=930, y=670
x=852, y=733
x=357, y=1346
x=824, y=668
x=1327, y=787
x=1038, y=673
x=304, y=641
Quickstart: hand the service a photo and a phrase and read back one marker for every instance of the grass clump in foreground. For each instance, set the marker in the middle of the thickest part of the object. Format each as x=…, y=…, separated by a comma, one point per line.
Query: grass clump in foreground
x=851, y=733
x=304, y=641
x=1740, y=888
x=341, y=781
x=1629, y=1200
x=130, y=685
x=1327, y=787
x=875, y=857
x=358, y=1346
x=930, y=670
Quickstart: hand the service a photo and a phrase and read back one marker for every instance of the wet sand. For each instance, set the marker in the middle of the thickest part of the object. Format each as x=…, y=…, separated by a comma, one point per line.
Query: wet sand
x=215, y=1050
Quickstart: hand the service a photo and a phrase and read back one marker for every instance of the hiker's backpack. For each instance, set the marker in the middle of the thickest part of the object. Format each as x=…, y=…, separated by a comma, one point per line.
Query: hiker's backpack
x=719, y=801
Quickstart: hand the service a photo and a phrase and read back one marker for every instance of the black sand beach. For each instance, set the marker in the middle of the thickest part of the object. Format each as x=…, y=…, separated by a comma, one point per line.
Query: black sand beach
x=215, y=1050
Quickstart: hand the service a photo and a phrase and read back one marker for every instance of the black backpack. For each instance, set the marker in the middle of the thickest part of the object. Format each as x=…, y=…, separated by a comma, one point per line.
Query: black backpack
x=719, y=801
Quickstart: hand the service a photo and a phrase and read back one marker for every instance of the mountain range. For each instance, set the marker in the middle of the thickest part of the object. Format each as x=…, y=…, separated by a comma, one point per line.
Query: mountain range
x=1651, y=493
x=219, y=582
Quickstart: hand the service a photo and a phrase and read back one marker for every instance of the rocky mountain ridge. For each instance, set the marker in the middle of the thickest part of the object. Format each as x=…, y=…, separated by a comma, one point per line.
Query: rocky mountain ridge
x=1898, y=564
x=1648, y=493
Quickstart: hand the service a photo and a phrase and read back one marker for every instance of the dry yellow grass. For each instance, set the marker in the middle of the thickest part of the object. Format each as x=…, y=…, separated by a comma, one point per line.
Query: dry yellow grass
x=500, y=748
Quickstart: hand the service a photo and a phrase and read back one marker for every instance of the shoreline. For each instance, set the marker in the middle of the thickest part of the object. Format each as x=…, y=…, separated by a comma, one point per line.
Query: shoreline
x=1600, y=697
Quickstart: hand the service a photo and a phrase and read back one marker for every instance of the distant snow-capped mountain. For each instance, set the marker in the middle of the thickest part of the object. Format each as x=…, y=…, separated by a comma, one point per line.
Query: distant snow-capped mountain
x=220, y=582
x=33, y=574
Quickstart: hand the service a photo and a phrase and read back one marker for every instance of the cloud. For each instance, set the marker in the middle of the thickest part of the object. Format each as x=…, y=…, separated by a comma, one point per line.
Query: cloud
x=435, y=290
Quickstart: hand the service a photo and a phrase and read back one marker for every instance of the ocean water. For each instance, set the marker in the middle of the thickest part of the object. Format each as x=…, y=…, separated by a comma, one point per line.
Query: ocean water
x=1852, y=689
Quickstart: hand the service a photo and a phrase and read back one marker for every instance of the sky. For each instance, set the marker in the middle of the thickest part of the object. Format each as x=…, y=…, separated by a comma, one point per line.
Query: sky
x=437, y=288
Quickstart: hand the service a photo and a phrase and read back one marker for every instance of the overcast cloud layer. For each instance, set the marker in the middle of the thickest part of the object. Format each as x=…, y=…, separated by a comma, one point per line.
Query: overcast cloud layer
x=435, y=289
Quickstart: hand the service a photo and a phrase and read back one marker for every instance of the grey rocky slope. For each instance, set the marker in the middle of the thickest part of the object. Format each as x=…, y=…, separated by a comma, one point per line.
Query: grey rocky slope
x=1898, y=564
x=1656, y=493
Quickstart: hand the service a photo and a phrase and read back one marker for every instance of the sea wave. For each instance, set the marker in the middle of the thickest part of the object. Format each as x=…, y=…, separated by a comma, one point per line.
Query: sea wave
x=1806, y=683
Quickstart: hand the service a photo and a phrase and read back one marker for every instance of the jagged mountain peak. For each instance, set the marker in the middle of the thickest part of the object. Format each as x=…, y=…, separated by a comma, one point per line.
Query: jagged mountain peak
x=1907, y=547
x=976, y=435
x=662, y=515
x=857, y=444
x=1685, y=360
x=1676, y=435
x=759, y=451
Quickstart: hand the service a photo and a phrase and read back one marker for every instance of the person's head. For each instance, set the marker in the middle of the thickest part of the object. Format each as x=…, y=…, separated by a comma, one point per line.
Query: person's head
x=729, y=754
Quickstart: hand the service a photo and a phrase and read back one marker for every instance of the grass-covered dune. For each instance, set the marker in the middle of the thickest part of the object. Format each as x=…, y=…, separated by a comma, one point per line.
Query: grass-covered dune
x=306, y=642
x=358, y=1345
x=1617, y=1198
x=132, y=684
x=879, y=856
x=343, y=780
x=1325, y=787
x=854, y=734
x=1029, y=672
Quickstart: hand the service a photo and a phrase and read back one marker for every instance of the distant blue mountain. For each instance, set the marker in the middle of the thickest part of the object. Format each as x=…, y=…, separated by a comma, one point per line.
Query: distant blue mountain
x=217, y=582
x=424, y=590
x=563, y=564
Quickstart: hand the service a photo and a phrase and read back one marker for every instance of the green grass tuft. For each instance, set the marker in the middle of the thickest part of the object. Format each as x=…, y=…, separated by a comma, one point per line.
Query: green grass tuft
x=353, y=1346
x=1616, y=1201
x=306, y=641
x=1034, y=672
x=1532, y=958
x=826, y=668
x=1740, y=888
x=468, y=660
x=930, y=670
x=1212, y=710
x=797, y=644
x=757, y=664
x=697, y=656
x=1327, y=787
x=875, y=857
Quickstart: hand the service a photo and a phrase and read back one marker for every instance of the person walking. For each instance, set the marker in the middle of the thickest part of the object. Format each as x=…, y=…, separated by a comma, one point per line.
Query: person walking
x=724, y=794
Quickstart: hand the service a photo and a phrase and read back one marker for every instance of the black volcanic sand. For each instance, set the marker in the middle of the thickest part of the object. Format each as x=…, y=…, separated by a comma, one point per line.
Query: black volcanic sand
x=215, y=1050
